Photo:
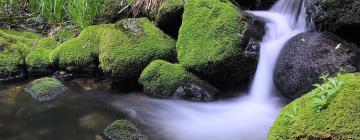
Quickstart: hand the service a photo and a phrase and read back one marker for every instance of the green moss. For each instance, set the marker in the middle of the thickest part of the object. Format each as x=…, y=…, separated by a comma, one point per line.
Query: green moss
x=127, y=51
x=38, y=60
x=162, y=79
x=209, y=42
x=14, y=47
x=339, y=120
x=123, y=130
x=45, y=89
x=27, y=38
x=123, y=49
x=44, y=85
x=80, y=54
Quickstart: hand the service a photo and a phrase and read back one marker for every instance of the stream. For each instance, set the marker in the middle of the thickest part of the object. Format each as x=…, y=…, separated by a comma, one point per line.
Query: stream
x=247, y=117
x=83, y=114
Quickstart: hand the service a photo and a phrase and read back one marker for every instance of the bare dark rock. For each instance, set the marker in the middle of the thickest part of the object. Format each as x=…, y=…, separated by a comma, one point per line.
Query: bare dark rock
x=192, y=92
x=341, y=17
x=310, y=55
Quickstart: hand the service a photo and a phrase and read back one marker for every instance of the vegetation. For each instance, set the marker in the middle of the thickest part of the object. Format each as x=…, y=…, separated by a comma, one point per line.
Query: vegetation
x=148, y=6
x=51, y=10
x=334, y=117
x=327, y=92
x=161, y=79
x=83, y=12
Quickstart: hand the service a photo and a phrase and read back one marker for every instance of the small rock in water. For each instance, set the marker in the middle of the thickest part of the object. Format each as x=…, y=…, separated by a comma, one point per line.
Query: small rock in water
x=45, y=89
x=123, y=130
x=63, y=76
x=192, y=92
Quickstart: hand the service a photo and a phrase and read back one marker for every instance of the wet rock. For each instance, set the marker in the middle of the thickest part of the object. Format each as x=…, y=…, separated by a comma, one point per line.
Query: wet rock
x=114, y=10
x=340, y=17
x=212, y=42
x=63, y=75
x=192, y=92
x=45, y=89
x=165, y=80
x=310, y=55
x=123, y=130
x=131, y=25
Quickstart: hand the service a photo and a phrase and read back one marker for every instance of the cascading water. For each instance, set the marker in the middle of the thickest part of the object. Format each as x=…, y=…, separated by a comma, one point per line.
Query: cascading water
x=248, y=117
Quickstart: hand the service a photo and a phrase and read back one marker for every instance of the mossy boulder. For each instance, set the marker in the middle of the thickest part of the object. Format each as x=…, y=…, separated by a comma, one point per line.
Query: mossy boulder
x=123, y=130
x=309, y=55
x=165, y=80
x=45, y=89
x=80, y=55
x=341, y=17
x=129, y=49
x=38, y=60
x=169, y=16
x=14, y=47
x=212, y=41
x=114, y=10
x=338, y=119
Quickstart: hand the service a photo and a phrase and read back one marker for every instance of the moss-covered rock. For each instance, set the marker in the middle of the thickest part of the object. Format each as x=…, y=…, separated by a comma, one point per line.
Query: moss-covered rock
x=45, y=89
x=122, y=50
x=128, y=50
x=123, y=130
x=80, y=55
x=14, y=47
x=212, y=41
x=337, y=119
x=169, y=16
x=341, y=17
x=165, y=80
x=114, y=10
x=38, y=60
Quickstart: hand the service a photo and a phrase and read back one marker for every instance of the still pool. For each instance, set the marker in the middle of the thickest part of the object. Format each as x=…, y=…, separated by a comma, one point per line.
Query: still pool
x=79, y=114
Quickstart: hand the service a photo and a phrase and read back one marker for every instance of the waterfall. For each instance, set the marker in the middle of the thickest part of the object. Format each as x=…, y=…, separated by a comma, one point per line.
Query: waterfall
x=283, y=21
x=248, y=117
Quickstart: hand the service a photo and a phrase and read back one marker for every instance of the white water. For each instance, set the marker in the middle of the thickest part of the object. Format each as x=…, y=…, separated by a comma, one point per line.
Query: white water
x=246, y=118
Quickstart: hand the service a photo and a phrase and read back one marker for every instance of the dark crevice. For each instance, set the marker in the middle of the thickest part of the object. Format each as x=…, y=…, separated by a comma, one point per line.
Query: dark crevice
x=171, y=24
x=348, y=32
